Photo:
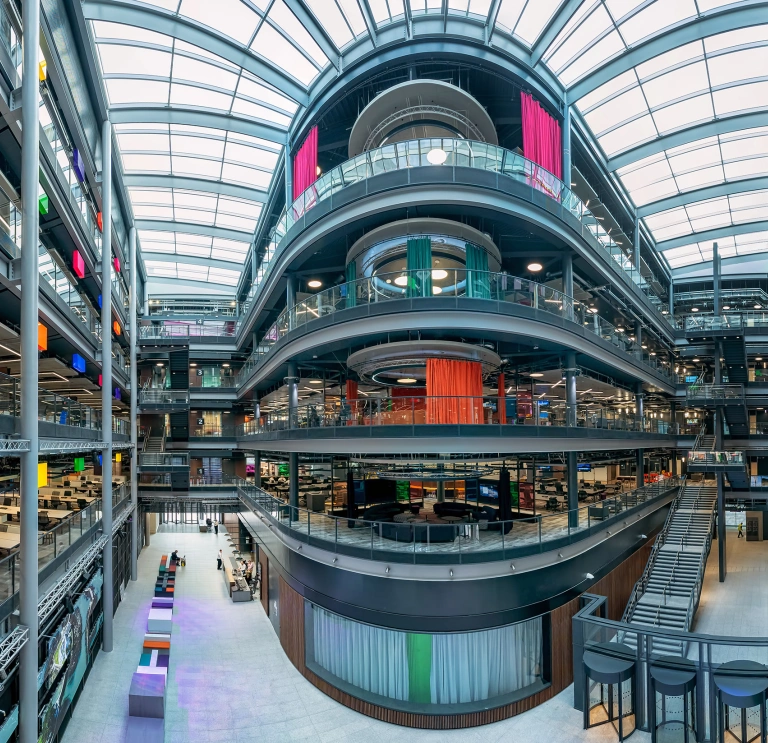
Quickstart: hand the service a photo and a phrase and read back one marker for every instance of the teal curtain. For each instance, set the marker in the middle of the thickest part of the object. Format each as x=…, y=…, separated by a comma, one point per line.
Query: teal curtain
x=419, y=267
x=478, y=278
x=351, y=276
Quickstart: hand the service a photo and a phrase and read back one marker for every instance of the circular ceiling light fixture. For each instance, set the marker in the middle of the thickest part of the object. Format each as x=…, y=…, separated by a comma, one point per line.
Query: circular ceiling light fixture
x=758, y=358
x=696, y=361
x=436, y=290
x=193, y=365
x=401, y=280
x=437, y=156
x=159, y=363
x=726, y=307
x=315, y=381
x=694, y=309
x=593, y=310
x=406, y=380
x=314, y=284
x=439, y=273
x=534, y=267
x=758, y=306
x=226, y=366
x=536, y=375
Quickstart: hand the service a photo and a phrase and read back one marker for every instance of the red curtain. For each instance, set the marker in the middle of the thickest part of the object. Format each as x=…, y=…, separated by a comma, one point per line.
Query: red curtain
x=305, y=164
x=454, y=391
x=542, y=141
x=502, y=406
x=413, y=398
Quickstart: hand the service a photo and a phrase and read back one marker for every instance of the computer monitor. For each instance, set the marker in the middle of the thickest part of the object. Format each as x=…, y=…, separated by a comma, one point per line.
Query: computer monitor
x=489, y=491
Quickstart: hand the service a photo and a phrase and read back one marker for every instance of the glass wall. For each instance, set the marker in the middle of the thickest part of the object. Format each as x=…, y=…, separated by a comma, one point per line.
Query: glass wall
x=420, y=672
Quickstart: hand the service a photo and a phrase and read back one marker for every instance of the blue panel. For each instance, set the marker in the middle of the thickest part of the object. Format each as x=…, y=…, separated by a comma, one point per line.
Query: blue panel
x=78, y=363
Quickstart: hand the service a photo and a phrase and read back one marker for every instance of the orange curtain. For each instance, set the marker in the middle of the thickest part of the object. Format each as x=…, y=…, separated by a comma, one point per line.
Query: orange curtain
x=454, y=391
x=502, y=406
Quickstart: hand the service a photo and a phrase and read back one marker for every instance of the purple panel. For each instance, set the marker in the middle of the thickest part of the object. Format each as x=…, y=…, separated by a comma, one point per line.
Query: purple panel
x=162, y=661
x=77, y=163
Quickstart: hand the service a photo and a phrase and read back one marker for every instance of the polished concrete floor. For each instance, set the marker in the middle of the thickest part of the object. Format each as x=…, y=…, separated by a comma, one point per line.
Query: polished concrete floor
x=229, y=679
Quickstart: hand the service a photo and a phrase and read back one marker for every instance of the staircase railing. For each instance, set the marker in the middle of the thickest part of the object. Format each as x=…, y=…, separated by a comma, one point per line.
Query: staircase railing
x=641, y=585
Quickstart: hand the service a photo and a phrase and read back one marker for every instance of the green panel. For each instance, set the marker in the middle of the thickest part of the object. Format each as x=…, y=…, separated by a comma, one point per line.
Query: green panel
x=79, y=464
x=419, y=267
x=513, y=493
x=351, y=275
x=403, y=490
x=283, y=470
x=419, y=668
x=43, y=204
x=478, y=278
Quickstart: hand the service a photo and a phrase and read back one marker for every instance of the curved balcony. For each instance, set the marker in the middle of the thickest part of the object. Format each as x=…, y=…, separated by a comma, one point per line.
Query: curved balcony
x=477, y=285
x=505, y=421
x=469, y=540
x=458, y=154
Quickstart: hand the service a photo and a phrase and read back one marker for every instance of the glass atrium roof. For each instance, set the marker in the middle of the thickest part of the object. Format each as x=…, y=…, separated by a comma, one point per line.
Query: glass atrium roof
x=674, y=93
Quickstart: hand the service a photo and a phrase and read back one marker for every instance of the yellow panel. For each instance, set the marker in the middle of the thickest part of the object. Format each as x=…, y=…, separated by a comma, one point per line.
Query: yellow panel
x=42, y=474
x=118, y=457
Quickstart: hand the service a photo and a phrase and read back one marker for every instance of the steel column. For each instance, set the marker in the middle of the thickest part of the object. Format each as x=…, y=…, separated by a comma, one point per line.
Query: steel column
x=257, y=468
x=106, y=374
x=134, y=404
x=293, y=458
x=566, y=141
x=568, y=282
x=30, y=166
x=640, y=460
x=572, y=419
x=716, y=279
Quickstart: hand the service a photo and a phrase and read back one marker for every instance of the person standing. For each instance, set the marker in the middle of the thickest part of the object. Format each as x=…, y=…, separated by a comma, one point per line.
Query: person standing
x=219, y=559
x=740, y=534
x=216, y=526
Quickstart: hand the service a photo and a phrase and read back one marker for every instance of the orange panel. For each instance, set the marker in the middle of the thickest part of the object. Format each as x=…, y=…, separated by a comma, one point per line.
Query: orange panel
x=42, y=337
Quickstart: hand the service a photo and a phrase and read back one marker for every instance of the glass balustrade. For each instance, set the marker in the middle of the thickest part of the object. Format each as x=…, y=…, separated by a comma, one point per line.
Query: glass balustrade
x=459, y=153
x=417, y=410
x=478, y=538
x=406, y=285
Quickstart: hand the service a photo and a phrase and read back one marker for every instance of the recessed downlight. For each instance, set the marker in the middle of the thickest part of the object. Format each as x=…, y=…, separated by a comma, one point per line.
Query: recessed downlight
x=193, y=365
x=406, y=380
x=534, y=267
x=758, y=306
x=696, y=361
x=314, y=284
x=535, y=375
x=436, y=290
x=758, y=358
x=694, y=309
x=726, y=307
x=315, y=381
x=439, y=273
x=401, y=280
x=226, y=366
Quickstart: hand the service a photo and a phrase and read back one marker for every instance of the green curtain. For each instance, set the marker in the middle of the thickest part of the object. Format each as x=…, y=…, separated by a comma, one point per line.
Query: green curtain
x=419, y=267
x=419, y=668
x=478, y=278
x=351, y=277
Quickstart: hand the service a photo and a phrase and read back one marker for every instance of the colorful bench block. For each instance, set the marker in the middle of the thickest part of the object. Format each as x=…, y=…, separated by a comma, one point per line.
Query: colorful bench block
x=160, y=620
x=147, y=695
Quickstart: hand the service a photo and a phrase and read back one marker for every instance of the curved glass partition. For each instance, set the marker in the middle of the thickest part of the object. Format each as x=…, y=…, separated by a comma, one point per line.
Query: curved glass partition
x=428, y=673
x=458, y=153
x=497, y=287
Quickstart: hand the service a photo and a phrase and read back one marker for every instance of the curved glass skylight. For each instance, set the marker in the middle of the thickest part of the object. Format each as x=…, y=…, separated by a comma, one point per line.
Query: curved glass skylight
x=668, y=89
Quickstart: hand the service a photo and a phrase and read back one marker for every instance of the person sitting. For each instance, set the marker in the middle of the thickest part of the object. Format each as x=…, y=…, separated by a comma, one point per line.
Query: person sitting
x=175, y=556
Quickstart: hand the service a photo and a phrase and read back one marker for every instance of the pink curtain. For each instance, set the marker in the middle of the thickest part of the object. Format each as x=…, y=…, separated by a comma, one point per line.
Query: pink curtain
x=542, y=141
x=502, y=392
x=305, y=164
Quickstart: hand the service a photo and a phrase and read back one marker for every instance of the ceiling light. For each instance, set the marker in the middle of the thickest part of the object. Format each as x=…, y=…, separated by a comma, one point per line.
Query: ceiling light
x=226, y=366
x=318, y=170
x=389, y=281
x=758, y=358
x=406, y=380
x=664, y=312
x=694, y=309
x=726, y=307
x=159, y=363
x=695, y=361
x=436, y=290
x=533, y=267
x=439, y=273
x=193, y=365
x=437, y=156
x=593, y=310
x=314, y=284
x=401, y=280
x=758, y=307
x=536, y=375
x=315, y=381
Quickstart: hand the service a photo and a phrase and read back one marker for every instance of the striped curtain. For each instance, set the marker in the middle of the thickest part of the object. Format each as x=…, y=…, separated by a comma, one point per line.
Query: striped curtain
x=351, y=287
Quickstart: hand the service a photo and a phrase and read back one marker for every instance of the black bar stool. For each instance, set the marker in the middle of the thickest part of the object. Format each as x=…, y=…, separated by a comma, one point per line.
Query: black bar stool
x=673, y=698
x=609, y=687
x=740, y=694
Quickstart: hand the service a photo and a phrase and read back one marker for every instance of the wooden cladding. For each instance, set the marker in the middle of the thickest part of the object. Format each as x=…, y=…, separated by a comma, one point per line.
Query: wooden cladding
x=264, y=580
x=617, y=586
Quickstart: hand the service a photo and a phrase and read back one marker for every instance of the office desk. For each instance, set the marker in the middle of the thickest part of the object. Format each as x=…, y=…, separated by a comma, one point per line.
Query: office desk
x=57, y=514
x=9, y=540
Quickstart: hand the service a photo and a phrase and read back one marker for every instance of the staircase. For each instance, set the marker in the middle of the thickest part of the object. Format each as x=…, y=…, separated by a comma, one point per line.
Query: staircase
x=706, y=443
x=154, y=444
x=735, y=355
x=667, y=594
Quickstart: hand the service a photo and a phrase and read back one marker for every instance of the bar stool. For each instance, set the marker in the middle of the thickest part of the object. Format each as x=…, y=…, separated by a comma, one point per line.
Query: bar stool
x=673, y=696
x=740, y=694
x=609, y=687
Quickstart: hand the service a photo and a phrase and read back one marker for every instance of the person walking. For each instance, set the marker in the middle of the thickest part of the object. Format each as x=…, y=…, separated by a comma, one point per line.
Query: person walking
x=216, y=526
x=219, y=560
x=740, y=534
